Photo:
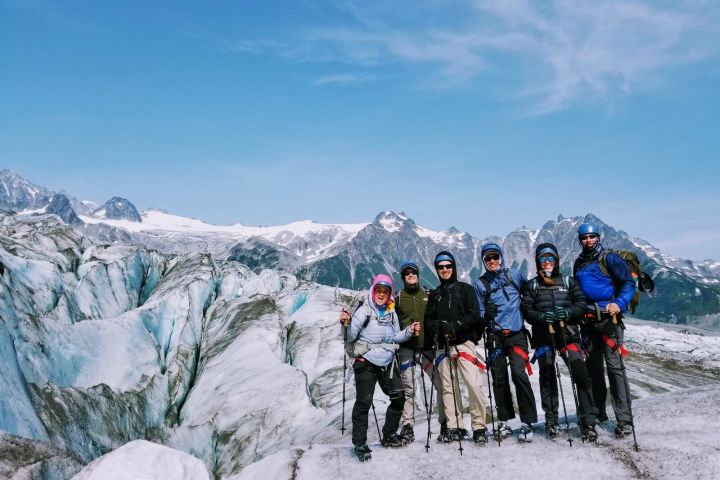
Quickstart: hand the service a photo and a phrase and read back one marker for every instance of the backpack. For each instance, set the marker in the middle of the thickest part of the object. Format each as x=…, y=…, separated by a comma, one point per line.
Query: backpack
x=352, y=348
x=489, y=291
x=643, y=281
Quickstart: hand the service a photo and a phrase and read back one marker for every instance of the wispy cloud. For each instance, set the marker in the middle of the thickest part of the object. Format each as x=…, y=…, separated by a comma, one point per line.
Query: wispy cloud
x=344, y=79
x=563, y=51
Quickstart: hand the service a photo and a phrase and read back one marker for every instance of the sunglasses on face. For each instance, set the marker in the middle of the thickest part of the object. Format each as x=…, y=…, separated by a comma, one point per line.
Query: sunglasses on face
x=587, y=237
x=446, y=266
x=546, y=258
x=492, y=256
x=407, y=273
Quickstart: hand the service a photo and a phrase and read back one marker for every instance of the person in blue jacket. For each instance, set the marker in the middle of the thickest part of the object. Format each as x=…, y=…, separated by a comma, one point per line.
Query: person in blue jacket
x=608, y=286
x=498, y=291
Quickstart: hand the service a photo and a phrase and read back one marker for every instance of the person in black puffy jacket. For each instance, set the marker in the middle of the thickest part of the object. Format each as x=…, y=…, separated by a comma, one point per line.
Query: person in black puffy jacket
x=555, y=303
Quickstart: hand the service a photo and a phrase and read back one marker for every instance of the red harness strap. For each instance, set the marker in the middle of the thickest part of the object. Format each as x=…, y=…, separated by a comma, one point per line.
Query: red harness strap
x=570, y=346
x=522, y=354
x=473, y=360
x=616, y=347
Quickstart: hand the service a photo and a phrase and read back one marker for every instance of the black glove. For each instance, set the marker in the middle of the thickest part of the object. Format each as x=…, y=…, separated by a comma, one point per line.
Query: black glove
x=491, y=311
x=447, y=328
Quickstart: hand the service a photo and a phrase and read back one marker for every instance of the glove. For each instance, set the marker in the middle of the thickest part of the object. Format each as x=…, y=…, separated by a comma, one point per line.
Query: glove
x=491, y=311
x=562, y=313
x=447, y=328
x=548, y=317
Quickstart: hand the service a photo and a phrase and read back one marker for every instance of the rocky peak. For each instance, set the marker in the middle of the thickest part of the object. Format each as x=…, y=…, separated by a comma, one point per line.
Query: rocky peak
x=118, y=208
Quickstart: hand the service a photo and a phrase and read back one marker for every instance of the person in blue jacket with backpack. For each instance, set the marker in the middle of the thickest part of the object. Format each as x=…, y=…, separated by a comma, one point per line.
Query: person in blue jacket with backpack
x=608, y=286
x=499, y=292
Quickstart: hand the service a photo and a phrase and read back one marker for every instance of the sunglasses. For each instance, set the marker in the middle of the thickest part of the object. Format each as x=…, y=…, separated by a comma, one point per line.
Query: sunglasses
x=409, y=272
x=588, y=236
x=546, y=258
x=445, y=266
x=492, y=256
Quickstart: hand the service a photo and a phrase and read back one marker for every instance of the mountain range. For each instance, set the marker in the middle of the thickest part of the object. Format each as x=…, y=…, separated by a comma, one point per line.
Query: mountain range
x=348, y=255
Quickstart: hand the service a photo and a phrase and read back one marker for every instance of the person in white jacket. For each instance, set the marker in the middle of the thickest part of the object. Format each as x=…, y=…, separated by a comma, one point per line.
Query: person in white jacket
x=375, y=331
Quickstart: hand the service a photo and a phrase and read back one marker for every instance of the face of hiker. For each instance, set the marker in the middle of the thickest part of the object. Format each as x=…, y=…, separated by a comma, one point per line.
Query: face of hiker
x=588, y=241
x=492, y=261
x=410, y=276
x=547, y=263
x=445, y=270
x=382, y=294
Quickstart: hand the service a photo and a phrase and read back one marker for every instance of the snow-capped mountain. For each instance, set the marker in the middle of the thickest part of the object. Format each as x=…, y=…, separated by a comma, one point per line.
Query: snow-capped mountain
x=348, y=255
x=118, y=208
x=16, y=193
x=105, y=344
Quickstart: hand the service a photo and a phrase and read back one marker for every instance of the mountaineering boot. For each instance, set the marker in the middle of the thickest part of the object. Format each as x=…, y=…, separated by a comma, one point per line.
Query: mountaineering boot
x=363, y=452
x=392, y=441
x=407, y=433
x=503, y=430
x=623, y=429
x=589, y=434
x=526, y=433
x=479, y=436
x=451, y=435
x=552, y=430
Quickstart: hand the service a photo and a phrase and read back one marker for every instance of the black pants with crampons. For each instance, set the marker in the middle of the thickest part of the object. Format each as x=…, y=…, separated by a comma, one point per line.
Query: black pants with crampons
x=501, y=382
x=366, y=375
x=549, y=387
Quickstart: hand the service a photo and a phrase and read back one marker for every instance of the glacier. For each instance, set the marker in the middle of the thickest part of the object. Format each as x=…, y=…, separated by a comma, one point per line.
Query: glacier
x=107, y=344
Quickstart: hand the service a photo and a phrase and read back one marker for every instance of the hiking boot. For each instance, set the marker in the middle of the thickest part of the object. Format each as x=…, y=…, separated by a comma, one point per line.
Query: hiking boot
x=503, y=430
x=623, y=429
x=407, y=433
x=479, y=436
x=452, y=435
x=463, y=432
x=392, y=441
x=552, y=430
x=526, y=433
x=363, y=452
x=589, y=434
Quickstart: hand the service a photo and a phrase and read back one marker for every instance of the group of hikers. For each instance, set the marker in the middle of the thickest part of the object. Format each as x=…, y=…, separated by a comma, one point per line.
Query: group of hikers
x=459, y=331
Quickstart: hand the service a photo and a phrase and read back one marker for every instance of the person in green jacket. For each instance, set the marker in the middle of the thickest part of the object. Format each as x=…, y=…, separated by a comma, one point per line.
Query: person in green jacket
x=410, y=303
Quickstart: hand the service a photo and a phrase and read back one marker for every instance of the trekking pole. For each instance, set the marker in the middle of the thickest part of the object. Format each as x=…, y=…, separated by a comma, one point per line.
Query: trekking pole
x=452, y=382
x=551, y=330
x=489, y=381
x=625, y=381
x=377, y=425
x=432, y=385
x=342, y=425
x=425, y=400
x=572, y=377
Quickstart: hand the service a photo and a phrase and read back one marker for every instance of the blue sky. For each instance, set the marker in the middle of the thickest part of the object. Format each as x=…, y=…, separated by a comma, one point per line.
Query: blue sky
x=484, y=115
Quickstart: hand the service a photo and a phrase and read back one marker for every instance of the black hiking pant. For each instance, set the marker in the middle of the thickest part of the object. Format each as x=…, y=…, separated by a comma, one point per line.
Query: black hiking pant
x=502, y=346
x=599, y=355
x=366, y=375
x=587, y=413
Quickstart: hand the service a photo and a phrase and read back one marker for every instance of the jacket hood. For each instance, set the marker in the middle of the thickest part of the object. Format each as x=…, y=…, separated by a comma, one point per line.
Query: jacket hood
x=446, y=256
x=488, y=247
x=547, y=248
x=381, y=279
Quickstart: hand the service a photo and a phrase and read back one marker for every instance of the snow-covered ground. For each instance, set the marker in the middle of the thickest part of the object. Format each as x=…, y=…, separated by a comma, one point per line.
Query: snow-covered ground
x=677, y=435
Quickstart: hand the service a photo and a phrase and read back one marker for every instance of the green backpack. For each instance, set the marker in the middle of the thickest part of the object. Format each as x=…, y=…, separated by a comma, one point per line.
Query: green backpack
x=643, y=281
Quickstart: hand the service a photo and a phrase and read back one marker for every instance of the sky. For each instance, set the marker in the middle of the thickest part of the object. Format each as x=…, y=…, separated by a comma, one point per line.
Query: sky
x=483, y=115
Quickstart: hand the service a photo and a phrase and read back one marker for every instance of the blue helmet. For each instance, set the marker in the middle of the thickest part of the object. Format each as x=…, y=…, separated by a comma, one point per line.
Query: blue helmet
x=586, y=228
x=409, y=264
